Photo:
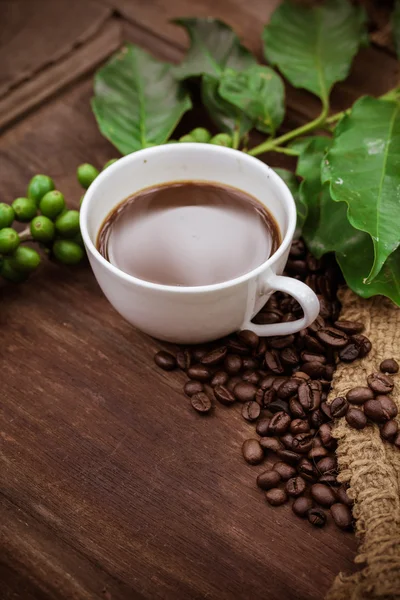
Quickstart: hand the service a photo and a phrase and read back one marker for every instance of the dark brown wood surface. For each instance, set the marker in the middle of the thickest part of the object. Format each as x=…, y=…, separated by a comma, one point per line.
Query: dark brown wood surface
x=110, y=485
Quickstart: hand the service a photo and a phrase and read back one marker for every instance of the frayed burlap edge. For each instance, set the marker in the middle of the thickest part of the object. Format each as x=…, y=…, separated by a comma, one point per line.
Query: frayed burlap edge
x=370, y=466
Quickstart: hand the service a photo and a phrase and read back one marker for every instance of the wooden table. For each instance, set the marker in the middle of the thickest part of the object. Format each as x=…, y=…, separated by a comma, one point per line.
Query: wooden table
x=110, y=486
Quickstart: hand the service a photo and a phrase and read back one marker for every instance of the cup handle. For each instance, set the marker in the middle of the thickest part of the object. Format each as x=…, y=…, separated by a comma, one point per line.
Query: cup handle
x=300, y=292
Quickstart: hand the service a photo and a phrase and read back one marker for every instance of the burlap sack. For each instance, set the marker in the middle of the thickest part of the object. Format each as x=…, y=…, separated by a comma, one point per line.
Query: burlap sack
x=370, y=466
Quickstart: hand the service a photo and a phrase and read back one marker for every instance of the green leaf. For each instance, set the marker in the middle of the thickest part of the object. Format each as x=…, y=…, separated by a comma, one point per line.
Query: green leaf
x=137, y=100
x=301, y=208
x=396, y=26
x=363, y=169
x=213, y=47
x=314, y=46
x=259, y=93
x=225, y=115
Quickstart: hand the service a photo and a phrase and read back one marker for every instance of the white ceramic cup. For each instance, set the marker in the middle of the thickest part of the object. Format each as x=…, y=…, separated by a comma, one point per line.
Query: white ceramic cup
x=203, y=313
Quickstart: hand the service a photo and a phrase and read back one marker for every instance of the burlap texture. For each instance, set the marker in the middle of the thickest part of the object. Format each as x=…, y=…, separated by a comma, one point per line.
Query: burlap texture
x=370, y=466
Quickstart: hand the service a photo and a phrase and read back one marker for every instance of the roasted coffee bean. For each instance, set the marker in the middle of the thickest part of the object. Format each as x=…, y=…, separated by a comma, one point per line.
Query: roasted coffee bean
x=193, y=387
x=248, y=338
x=302, y=442
x=327, y=465
x=237, y=347
x=388, y=405
x=339, y=407
x=389, y=430
x=249, y=363
x=342, y=496
x=224, y=395
x=251, y=377
x=198, y=353
x=261, y=349
x=341, y=514
x=334, y=338
x=313, y=345
x=251, y=411
x=278, y=382
x=316, y=517
x=396, y=441
x=281, y=342
x=316, y=418
x=267, y=317
x=165, y=360
x=288, y=388
x=312, y=282
x=317, y=452
x=287, y=317
x=262, y=426
x=273, y=362
x=328, y=479
x=199, y=373
x=389, y=366
x=325, y=307
x=301, y=506
x=297, y=249
x=359, y=395
x=268, y=398
x=201, y=402
x=301, y=375
x=252, y=452
x=323, y=494
x=373, y=409
x=313, y=264
x=349, y=327
x=317, y=440
x=299, y=426
x=260, y=397
x=285, y=471
x=220, y=378
x=309, y=395
x=287, y=440
x=326, y=410
x=329, y=371
x=296, y=409
x=277, y=405
x=315, y=370
x=325, y=433
x=276, y=497
x=356, y=418
x=233, y=364
x=289, y=357
x=316, y=325
x=307, y=356
x=183, y=359
x=270, y=443
x=350, y=352
x=289, y=456
x=307, y=470
x=380, y=383
x=215, y=357
x=327, y=287
x=268, y=479
x=299, y=267
x=233, y=381
x=363, y=343
x=245, y=391
x=279, y=423
x=267, y=382
x=295, y=486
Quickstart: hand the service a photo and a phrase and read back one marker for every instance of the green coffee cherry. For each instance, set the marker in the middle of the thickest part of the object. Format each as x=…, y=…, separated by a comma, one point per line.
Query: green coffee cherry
x=38, y=186
x=52, y=204
x=9, y=240
x=222, y=139
x=42, y=229
x=201, y=135
x=25, y=209
x=110, y=162
x=25, y=259
x=68, y=252
x=7, y=215
x=86, y=174
x=10, y=273
x=186, y=138
x=67, y=225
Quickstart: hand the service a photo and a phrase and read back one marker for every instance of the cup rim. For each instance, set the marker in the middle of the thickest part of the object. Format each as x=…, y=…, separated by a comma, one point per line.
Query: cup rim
x=190, y=147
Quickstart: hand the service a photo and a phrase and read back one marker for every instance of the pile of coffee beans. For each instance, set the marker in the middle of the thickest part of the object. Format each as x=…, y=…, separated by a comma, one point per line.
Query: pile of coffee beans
x=282, y=384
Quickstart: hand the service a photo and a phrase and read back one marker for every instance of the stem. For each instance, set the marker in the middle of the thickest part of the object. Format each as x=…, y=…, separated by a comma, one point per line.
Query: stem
x=287, y=151
x=236, y=139
x=25, y=235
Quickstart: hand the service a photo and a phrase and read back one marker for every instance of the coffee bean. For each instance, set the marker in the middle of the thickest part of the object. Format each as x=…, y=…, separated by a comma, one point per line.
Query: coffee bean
x=281, y=342
x=299, y=267
x=356, y=418
x=183, y=359
x=307, y=470
x=213, y=358
x=165, y=360
x=329, y=371
x=389, y=430
x=193, y=387
x=296, y=409
x=307, y=356
x=316, y=418
x=252, y=452
x=363, y=343
x=201, y=402
x=316, y=517
x=248, y=338
x=198, y=353
x=224, y=395
x=342, y=496
x=289, y=456
x=396, y=441
x=334, y=338
x=301, y=506
x=389, y=366
x=289, y=357
x=261, y=349
x=350, y=352
x=316, y=325
x=270, y=443
x=326, y=410
x=339, y=407
x=267, y=317
x=325, y=307
x=299, y=426
x=251, y=377
x=245, y=391
x=285, y=471
x=262, y=426
x=268, y=398
x=349, y=327
x=288, y=388
x=313, y=345
x=327, y=465
x=359, y=395
x=199, y=373
x=297, y=249
x=220, y=378
x=323, y=494
x=388, y=405
x=251, y=411
x=373, y=409
x=278, y=382
x=287, y=440
x=276, y=497
x=380, y=383
x=267, y=382
x=314, y=369
x=260, y=397
x=249, y=363
x=237, y=347
x=325, y=433
x=233, y=381
x=302, y=442
x=277, y=405
x=268, y=479
x=295, y=486
x=329, y=480
x=341, y=514
x=279, y=423
x=301, y=375
x=233, y=364
x=313, y=264
x=317, y=453
x=273, y=362
x=309, y=395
